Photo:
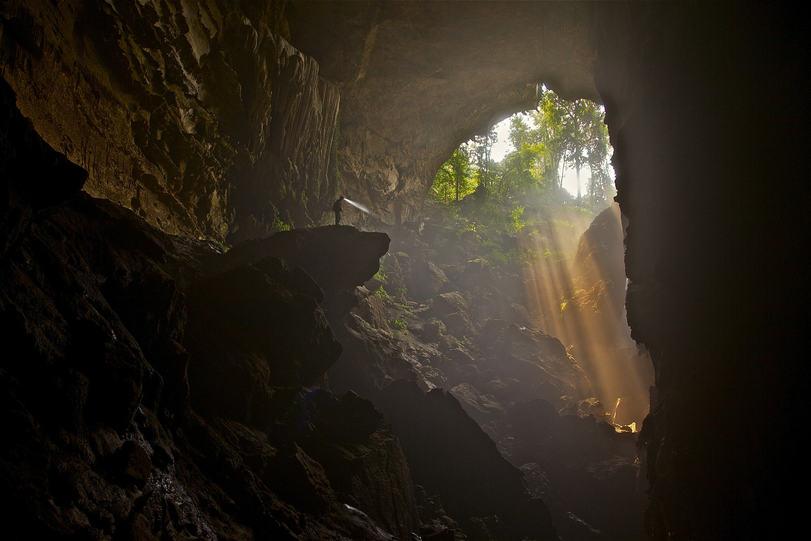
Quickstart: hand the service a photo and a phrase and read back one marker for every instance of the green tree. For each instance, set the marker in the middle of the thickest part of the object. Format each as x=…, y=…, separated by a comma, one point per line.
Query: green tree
x=481, y=148
x=453, y=180
x=574, y=134
x=561, y=134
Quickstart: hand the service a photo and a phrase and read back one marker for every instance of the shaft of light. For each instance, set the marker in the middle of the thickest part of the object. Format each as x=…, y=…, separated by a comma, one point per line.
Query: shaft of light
x=357, y=205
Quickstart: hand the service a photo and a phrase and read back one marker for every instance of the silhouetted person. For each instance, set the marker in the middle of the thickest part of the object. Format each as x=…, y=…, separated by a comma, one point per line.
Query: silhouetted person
x=337, y=208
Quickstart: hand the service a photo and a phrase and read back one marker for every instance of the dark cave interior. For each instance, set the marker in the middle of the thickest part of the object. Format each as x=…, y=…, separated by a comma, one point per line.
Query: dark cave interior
x=189, y=352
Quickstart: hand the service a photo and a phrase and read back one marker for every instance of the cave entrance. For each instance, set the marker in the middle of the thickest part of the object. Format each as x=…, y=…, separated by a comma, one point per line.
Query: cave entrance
x=509, y=293
x=537, y=190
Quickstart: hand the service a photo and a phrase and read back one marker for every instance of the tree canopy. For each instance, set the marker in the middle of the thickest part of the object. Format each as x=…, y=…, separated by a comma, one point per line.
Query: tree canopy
x=559, y=135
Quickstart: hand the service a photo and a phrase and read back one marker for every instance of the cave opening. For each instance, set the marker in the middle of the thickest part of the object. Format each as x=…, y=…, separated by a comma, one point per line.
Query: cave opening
x=536, y=191
x=191, y=350
x=507, y=291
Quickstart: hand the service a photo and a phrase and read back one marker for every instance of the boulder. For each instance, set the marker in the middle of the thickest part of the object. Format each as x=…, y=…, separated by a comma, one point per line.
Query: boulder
x=271, y=333
x=449, y=303
x=337, y=258
x=451, y=456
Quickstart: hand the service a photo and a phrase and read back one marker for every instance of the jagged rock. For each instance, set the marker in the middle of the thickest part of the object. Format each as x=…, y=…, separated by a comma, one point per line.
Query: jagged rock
x=134, y=462
x=300, y=480
x=587, y=472
x=424, y=279
x=433, y=330
x=36, y=176
x=100, y=436
x=271, y=333
x=338, y=258
x=371, y=359
x=373, y=310
x=619, y=368
x=362, y=459
x=137, y=91
x=170, y=108
x=449, y=303
x=450, y=455
x=481, y=407
x=532, y=364
x=452, y=309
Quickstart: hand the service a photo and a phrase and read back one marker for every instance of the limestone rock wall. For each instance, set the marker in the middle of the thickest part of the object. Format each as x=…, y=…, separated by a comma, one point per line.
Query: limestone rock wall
x=207, y=119
x=144, y=393
x=419, y=78
x=702, y=108
x=199, y=116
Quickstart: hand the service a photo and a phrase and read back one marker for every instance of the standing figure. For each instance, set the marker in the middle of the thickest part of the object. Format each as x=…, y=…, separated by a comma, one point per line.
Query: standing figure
x=337, y=209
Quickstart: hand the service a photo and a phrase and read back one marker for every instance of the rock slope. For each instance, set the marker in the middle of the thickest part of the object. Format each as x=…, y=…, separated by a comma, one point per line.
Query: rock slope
x=145, y=394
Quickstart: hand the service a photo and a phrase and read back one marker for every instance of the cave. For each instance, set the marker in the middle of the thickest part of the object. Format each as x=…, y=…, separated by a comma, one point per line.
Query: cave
x=191, y=349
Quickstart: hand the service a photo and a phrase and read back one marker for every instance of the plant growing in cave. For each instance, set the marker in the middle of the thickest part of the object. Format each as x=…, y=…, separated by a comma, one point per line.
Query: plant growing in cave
x=280, y=225
x=399, y=324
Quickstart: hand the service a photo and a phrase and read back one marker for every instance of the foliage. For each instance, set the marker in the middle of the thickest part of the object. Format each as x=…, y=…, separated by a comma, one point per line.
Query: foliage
x=280, y=225
x=382, y=293
x=516, y=215
x=556, y=136
x=454, y=179
x=508, y=207
x=399, y=324
x=380, y=276
x=574, y=134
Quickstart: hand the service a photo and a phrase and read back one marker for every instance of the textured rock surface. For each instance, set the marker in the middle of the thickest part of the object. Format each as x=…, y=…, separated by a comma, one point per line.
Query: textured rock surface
x=116, y=339
x=497, y=370
x=450, y=455
x=418, y=78
x=204, y=119
x=595, y=319
x=199, y=116
x=584, y=470
x=336, y=257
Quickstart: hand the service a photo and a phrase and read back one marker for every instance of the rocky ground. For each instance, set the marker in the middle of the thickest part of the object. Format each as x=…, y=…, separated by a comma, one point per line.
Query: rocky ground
x=451, y=311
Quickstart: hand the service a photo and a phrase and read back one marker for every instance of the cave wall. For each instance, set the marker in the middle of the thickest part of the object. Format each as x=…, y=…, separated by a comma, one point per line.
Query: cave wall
x=419, y=78
x=705, y=110
x=199, y=116
x=147, y=392
x=219, y=119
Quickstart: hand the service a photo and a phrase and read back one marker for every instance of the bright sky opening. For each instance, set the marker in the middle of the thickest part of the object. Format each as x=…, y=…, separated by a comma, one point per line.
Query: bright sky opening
x=504, y=146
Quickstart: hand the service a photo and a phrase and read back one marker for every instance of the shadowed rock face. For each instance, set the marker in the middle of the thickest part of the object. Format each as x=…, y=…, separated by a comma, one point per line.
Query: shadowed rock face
x=336, y=257
x=271, y=334
x=36, y=176
x=619, y=368
x=704, y=205
x=582, y=468
x=450, y=455
x=142, y=395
